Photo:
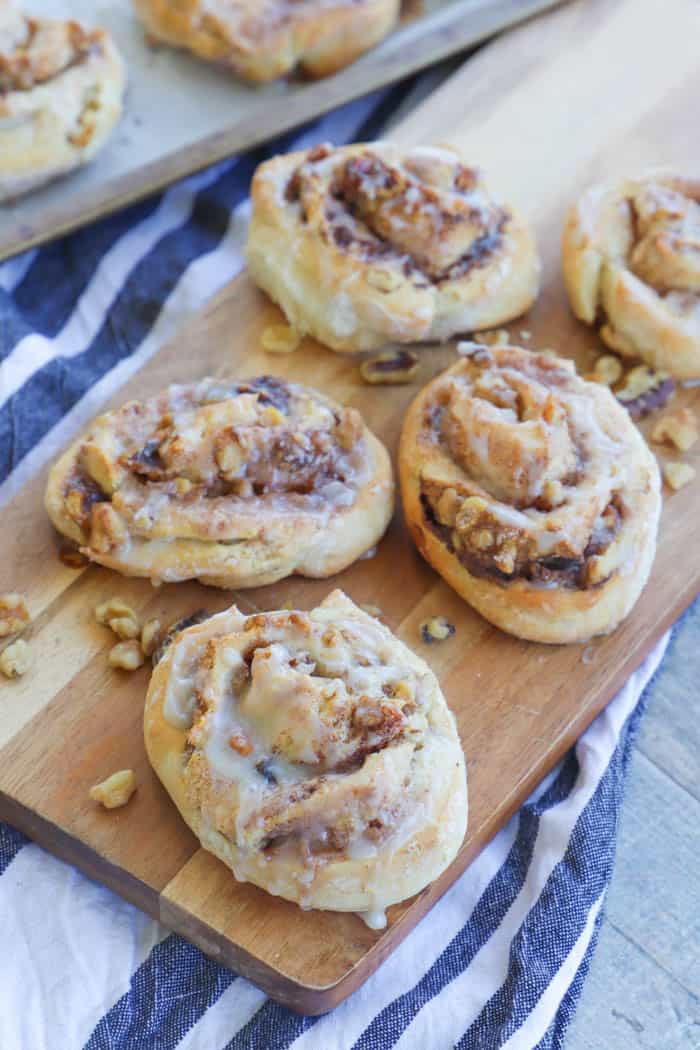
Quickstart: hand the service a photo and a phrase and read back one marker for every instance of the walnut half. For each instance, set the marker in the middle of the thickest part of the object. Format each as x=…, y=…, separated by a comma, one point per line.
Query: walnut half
x=14, y=615
x=116, y=790
x=390, y=368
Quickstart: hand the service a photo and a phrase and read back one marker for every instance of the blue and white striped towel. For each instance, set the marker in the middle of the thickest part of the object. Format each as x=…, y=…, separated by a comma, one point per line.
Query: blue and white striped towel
x=500, y=961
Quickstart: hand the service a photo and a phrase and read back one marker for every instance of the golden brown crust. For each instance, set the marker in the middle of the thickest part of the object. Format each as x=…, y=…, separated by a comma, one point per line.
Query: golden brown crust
x=631, y=259
x=386, y=245
x=265, y=40
x=235, y=483
x=531, y=492
x=61, y=89
x=313, y=753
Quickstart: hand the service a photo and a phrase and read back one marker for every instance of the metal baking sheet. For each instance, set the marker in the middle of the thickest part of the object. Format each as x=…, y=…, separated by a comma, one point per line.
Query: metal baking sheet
x=182, y=114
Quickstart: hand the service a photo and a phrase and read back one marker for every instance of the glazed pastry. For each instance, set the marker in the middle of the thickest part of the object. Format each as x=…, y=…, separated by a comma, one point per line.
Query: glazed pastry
x=313, y=753
x=235, y=483
x=265, y=39
x=531, y=492
x=386, y=245
x=631, y=257
x=61, y=90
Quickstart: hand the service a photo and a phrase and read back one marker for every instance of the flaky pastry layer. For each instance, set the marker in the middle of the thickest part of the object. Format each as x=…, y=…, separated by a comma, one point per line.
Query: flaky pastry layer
x=531, y=492
x=386, y=245
x=313, y=753
x=631, y=259
x=236, y=483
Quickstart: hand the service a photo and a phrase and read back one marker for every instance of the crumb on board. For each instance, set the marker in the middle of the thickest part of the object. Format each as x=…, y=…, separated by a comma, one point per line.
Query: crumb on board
x=16, y=659
x=436, y=629
x=126, y=656
x=390, y=368
x=493, y=337
x=677, y=475
x=679, y=428
x=151, y=635
x=14, y=614
x=280, y=339
x=116, y=790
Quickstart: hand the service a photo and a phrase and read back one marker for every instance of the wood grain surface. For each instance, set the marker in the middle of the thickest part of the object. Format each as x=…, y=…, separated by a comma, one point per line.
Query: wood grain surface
x=444, y=32
x=544, y=110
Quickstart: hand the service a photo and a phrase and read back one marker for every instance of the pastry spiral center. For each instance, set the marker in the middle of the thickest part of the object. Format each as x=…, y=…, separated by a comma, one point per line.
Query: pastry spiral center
x=666, y=253
x=34, y=51
x=510, y=435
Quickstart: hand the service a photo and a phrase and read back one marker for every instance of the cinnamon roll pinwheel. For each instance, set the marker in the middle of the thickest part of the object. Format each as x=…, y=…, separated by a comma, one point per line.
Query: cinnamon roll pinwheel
x=631, y=258
x=383, y=244
x=61, y=89
x=313, y=753
x=261, y=40
x=235, y=483
x=531, y=491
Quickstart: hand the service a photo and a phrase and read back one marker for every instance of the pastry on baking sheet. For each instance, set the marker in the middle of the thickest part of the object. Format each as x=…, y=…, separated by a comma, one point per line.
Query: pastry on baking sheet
x=61, y=91
x=531, y=492
x=631, y=258
x=313, y=753
x=265, y=39
x=233, y=482
x=384, y=244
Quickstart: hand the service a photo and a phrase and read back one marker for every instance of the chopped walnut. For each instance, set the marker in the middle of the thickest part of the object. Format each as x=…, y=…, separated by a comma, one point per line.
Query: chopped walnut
x=116, y=790
x=240, y=744
x=495, y=337
x=436, y=629
x=607, y=369
x=119, y=617
x=644, y=390
x=14, y=615
x=679, y=428
x=16, y=659
x=127, y=656
x=151, y=635
x=390, y=368
x=72, y=557
x=678, y=474
x=280, y=339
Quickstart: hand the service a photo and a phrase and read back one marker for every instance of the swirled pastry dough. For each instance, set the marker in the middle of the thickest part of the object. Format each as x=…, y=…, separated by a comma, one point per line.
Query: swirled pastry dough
x=532, y=492
x=384, y=244
x=61, y=89
x=314, y=754
x=265, y=39
x=235, y=483
x=631, y=258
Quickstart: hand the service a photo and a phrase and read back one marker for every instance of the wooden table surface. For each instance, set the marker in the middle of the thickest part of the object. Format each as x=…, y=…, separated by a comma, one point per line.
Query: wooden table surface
x=643, y=988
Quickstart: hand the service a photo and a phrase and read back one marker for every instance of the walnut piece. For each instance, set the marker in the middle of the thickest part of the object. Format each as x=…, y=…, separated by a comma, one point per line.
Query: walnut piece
x=119, y=617
x=116, y=790
x=72, y=557
x=280, y=339
x=644, y=390
x=678, y=474
x=390, y=368
x=151, y=635
x=436, y=629
x=14, y=615
x=607, y=370
x=494, y=337
x=679, y=428
x=127, y=656
x=16, y=659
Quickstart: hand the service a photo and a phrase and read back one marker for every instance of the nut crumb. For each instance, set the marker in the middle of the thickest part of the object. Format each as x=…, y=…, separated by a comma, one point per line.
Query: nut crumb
x=644, y=390
x=72, y=557
x=16, y=659
x=127, y=656
x=119, y=617
x=280, y=339
x=607, y=370
x=679, y=428
x=390, y=368
x=494, y=337
x=14, y=614
x=116, y=790
x=151, y=634
x=677, y=474
x=436, y=629
x=240, y=743
x=526, y=334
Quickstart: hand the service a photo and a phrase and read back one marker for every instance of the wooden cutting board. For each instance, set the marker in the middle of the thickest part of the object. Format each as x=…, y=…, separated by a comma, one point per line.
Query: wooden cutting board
x=600, y=87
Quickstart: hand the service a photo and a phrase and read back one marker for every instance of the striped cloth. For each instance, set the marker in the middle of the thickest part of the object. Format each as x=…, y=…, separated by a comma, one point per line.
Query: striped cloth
x=501, y=959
